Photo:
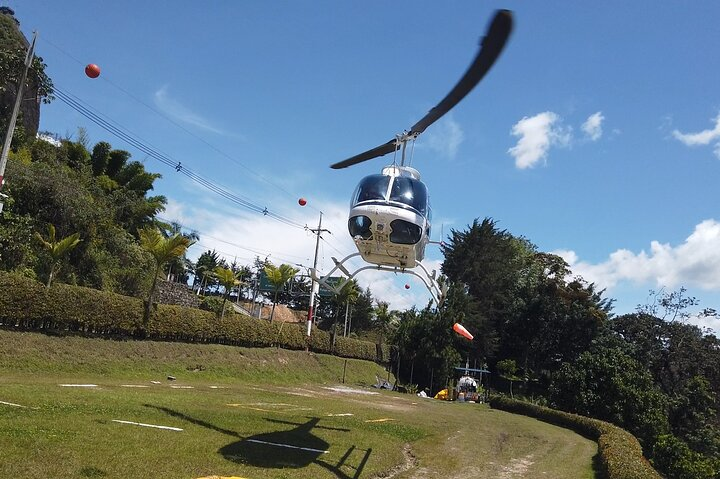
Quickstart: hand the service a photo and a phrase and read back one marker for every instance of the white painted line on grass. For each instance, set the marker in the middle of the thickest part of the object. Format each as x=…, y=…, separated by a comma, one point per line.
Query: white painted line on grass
x=182, y=387
x=340, y=414
x=169, y=428
x=218, y=387
x=134, y=386
x=343, y=389
x=12, y=404
x=287, y=446
x=156, y=382
x=78, y=385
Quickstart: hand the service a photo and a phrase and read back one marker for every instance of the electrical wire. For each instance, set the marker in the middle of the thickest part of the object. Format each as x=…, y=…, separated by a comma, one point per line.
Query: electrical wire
x=122, y=133
x=178, y=125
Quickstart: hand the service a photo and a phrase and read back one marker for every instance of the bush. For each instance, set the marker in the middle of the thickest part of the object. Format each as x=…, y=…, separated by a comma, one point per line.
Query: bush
x=620, y=452
x=214, y=304
x=27, y=304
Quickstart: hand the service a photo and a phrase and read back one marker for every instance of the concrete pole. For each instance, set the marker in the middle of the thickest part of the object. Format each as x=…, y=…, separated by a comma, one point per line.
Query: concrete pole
x=16, y=109
x=315, y=285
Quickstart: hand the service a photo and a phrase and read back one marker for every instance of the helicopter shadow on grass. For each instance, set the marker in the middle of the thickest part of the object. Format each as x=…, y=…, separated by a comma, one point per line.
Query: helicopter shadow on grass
x=294, y=448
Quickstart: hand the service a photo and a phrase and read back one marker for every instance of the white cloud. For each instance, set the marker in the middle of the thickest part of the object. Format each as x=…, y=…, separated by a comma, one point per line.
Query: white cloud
x=180, y=112
x=694, y=263
x=445, y=138
x=593, y=126
x=704, y=137
x=537, y=134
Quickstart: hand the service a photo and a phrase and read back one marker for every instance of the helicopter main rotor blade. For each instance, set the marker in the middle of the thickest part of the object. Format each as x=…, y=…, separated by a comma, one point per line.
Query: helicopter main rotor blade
x=381, y=150
x=490, y=48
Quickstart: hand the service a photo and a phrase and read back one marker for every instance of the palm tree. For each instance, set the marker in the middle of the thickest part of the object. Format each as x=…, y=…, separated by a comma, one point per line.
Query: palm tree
x=162, y=250
x=278, y=276
x=385, y=319
x=204, y=267
x=57, y=249
x=227, y=278
x=348, y=294
x=178, y=267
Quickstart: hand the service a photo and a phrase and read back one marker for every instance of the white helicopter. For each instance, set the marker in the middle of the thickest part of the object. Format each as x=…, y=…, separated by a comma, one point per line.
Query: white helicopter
x=390, y=214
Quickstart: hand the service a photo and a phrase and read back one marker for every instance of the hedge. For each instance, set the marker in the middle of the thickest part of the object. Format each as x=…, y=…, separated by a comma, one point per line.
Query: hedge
x=620, y=452
x=27, y=304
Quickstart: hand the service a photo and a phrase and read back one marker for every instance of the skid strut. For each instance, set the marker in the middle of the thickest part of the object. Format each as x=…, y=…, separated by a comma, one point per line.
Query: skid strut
x=437, y=290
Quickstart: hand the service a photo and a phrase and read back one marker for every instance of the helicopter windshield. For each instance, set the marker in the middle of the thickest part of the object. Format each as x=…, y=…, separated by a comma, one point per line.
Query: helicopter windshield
x=373, y=187
x=411, y=192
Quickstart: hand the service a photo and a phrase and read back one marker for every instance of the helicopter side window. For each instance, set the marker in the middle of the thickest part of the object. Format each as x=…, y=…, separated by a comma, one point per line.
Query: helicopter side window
x=373, y=187
x=410, y=192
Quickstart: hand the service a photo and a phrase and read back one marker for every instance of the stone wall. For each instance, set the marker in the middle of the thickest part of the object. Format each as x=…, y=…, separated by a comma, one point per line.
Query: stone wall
x=176, y=293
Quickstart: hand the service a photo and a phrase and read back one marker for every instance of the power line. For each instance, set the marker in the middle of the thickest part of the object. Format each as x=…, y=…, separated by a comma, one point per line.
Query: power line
x=122, y=133
x=165, y=117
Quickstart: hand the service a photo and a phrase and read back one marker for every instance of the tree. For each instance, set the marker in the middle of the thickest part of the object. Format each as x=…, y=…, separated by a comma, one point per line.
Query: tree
x=605, y=383
x=346, y=296
x=162, y=250
x=57, y=248
x=13, y=50
x=204, y=266
x=385, y=320
x=116, y=162
x=278, y=277
x=361, y=317
x=228, y=279
x=177, y=269
x=100, y=157
x=522, y=297
x=508, y=369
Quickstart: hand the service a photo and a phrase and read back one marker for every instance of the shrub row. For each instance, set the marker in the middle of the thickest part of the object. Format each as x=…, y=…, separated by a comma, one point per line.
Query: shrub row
x=27, y=304
x=620, y=452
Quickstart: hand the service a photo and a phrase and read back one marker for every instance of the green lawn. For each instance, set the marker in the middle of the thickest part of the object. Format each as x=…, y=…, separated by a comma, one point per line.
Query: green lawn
x=247, y=413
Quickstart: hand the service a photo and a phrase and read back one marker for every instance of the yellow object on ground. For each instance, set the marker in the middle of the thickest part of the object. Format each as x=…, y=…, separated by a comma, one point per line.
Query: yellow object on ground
x=442, y=395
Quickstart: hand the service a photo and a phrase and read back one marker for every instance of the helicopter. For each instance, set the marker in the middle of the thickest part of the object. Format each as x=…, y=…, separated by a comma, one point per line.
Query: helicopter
x=390, y=213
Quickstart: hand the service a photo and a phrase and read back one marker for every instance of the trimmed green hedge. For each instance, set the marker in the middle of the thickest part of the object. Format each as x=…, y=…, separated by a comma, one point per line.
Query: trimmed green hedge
x=621, y=455
x=27, y=304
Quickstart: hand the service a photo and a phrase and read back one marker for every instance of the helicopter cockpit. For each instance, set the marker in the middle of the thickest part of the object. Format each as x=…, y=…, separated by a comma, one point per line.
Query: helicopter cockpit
x=403, y=191
x=400, y=189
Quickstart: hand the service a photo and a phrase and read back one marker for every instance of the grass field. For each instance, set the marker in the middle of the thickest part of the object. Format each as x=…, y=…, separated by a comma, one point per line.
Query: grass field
x=250, y=413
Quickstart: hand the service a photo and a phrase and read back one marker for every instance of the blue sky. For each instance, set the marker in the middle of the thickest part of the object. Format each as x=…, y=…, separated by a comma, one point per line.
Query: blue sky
x=596, y=135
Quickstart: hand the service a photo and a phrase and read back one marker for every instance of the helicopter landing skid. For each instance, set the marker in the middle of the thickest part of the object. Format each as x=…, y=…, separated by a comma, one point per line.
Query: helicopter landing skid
x=437, y=290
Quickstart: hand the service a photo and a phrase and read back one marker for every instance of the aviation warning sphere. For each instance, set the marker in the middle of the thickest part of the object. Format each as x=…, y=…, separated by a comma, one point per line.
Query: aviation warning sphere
x=390, y=215
x=92, y=70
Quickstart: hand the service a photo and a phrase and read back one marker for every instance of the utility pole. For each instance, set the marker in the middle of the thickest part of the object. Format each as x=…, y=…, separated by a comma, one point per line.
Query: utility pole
x=13, y=117
x=315, y=285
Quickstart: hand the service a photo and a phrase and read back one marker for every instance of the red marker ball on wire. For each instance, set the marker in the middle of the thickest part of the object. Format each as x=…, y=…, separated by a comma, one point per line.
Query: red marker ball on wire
x=92, y=70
